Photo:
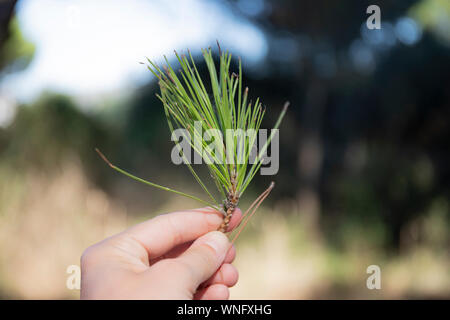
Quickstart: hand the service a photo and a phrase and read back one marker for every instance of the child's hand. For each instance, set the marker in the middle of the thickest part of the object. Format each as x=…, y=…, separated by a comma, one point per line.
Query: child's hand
x=173, y=256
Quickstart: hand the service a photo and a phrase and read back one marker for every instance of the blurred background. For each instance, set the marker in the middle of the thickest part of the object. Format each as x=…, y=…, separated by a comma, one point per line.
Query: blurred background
x=364, y=166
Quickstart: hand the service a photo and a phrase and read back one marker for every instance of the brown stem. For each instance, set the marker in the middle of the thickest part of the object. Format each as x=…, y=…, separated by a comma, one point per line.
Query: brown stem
x=226, y=221
x=104, y=158
x=229, y=206
x=255, y=205
x=230, y=202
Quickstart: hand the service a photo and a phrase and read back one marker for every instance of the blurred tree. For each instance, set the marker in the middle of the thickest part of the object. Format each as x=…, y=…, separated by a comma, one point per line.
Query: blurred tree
x=6, y=12
x=364, y=105
x=48, y=131
x=15, y=51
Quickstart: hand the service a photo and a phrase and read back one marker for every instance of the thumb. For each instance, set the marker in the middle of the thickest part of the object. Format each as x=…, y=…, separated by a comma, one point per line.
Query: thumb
x=203, y=258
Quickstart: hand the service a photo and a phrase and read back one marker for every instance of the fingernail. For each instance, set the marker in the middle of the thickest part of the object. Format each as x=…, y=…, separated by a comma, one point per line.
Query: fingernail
x=219, y=242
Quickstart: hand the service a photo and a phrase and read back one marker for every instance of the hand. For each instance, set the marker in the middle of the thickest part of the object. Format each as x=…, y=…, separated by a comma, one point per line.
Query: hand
x=173, y=256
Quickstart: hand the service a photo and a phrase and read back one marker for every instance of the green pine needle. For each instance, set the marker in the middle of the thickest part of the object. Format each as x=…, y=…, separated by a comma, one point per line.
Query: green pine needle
x=187, y=102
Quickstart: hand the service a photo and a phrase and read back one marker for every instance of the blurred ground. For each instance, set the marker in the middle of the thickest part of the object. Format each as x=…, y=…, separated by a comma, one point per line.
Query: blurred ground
x=47, y=222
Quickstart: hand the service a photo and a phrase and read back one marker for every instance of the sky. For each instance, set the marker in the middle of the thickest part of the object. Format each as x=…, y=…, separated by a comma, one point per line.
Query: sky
x=89, y=48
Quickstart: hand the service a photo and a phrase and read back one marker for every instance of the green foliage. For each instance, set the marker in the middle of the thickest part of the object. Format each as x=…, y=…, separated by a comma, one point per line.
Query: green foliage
x=47, y=131
x=433, y=15
x=17, y=51
x=186, y=101
x=188, y=105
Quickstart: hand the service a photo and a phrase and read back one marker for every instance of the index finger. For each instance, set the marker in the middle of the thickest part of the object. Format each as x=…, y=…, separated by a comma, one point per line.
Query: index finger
x=164, y=232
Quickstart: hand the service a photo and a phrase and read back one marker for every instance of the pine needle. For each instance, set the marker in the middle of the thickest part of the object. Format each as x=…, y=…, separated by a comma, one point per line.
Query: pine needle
x=189, y=106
